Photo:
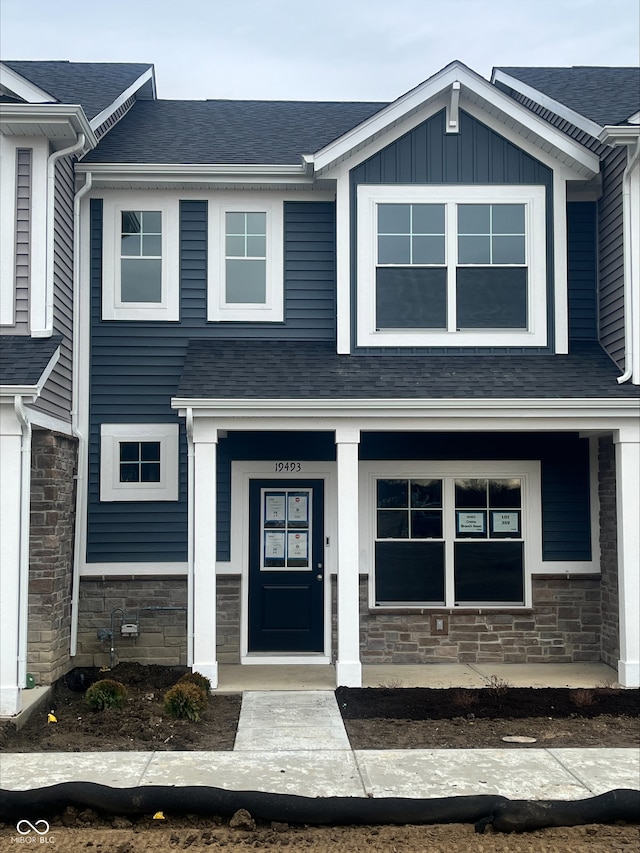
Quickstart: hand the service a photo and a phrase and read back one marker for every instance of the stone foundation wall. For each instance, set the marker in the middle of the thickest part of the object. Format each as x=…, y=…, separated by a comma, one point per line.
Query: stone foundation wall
x=228, y=641
x=563, y=626
x=608, y=552
x=53, y=466
x=163, y=633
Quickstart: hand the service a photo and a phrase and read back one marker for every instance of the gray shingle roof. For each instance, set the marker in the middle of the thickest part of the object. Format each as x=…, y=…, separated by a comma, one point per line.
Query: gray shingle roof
x=604, y=95
x=260, y=132
x=261, y=369
x=23, y=359
x=94, y=85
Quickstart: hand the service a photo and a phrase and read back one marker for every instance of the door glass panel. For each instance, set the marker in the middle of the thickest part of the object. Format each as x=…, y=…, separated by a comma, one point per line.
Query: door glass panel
x=286, y=529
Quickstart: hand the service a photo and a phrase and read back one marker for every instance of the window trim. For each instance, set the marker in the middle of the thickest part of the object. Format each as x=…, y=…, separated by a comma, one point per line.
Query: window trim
x=113, y=308
x=218, y=309
x=531, y=519
x=532, y=196
x=111, y=436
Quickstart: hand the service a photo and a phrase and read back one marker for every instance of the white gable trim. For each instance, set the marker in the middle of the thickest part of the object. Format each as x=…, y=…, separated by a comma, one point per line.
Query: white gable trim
x=147, y=76
x=557, y=107
x=23, y=88
x=474, y=89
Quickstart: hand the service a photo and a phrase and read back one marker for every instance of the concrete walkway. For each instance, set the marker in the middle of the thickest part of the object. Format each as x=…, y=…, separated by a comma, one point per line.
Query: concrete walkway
x=294, y=742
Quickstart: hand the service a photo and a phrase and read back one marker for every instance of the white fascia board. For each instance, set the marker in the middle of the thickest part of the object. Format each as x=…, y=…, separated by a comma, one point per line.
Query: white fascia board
x=14, y=117
x=437, y=85
x=119, y=101
x=613, y=134
x=580, y=413
x=557, y=107
x=163, y=174
x=23, y=88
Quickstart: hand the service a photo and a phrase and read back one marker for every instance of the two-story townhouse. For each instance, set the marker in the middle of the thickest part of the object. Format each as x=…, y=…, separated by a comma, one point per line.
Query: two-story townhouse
x=51, y=114
x=349, y=381
x=352, y=385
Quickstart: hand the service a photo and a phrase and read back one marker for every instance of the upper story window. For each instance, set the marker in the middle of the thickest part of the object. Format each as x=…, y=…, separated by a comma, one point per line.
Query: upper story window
x=457, y=266
x=140, y=263
x=245, y=259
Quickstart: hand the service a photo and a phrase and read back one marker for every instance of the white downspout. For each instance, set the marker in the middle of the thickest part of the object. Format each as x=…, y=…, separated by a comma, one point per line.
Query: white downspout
x=78, y=146
x=25, y=505
x=627, y=285
x=81, y=476
x=190, y=534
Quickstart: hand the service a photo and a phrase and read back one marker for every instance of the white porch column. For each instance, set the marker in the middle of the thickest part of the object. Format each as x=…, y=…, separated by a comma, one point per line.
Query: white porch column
x=205, y=438
x=627, y=445
x=348, y=666
x=10, y=504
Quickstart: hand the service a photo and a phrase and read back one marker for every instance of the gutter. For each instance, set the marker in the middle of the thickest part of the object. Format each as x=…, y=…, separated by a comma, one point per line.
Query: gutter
x=83, y=455
x=630, y=297
x=23, y=558
x=76, y=148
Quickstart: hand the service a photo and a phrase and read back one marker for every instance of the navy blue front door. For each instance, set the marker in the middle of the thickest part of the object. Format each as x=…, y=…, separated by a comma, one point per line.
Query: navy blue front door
x=286, y=566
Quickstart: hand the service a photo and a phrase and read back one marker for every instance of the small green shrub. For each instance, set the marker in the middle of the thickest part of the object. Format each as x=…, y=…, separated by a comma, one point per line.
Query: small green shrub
x=185, y=701
x=107, y=694
x=196, y=678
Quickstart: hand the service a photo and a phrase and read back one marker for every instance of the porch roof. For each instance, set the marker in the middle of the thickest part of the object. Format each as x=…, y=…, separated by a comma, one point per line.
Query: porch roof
x=313, y=370
x=23, y=360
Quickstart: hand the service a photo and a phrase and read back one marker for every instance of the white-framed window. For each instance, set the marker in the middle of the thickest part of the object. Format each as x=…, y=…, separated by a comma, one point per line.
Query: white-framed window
x=139, y=462
x=245, y=258
x=451, y=535
x=451, y=265
x=140, y=275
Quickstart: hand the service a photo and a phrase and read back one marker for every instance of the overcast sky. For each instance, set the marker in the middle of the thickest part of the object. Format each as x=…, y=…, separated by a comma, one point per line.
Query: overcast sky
x=370, y=50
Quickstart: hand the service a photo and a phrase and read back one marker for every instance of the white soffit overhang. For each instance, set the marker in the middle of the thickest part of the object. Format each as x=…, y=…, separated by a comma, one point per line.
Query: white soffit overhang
x=475, y=91
x=60, y=123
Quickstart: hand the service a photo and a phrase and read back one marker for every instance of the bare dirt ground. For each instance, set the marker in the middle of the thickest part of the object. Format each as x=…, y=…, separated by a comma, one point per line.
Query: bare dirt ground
x=197, y=835
x=375, y=718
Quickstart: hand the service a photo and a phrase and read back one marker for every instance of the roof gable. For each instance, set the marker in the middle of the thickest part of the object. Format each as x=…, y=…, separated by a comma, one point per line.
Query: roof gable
x=94, y=85
x=457, y=86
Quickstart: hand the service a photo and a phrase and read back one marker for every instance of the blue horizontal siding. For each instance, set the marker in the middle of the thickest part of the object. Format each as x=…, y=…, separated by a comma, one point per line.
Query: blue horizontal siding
x=582, y=270
x=136, y=367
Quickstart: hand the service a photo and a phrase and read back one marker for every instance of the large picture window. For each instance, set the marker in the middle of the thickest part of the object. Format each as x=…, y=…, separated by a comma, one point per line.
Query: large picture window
x=451, y=265
x=445, y=539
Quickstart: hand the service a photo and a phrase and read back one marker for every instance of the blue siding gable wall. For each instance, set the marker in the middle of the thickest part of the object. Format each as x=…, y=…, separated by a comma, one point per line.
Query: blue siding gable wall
x=135, y=366
x=475, y=155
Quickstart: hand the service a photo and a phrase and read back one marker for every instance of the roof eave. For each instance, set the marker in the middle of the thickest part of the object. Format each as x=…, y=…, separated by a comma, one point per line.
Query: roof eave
x=614, y=134
x=167, y=174
x=60, y=123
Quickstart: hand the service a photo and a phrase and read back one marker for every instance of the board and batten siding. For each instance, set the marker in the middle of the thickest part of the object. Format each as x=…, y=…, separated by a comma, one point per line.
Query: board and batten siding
x=611, y=256
x=55, y=399
x=136, y=366
x=475, y=155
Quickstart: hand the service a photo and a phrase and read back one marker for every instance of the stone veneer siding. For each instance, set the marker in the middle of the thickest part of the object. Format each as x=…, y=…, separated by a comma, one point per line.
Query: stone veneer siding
x=163, y=633
x=563, y=626
x=53, y=465
x=608, y=552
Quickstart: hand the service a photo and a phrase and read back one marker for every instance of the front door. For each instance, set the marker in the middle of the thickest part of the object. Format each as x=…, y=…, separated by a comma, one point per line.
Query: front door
x=286, y=566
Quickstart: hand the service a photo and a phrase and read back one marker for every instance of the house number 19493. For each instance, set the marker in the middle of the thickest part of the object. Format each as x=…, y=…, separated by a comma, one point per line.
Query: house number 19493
x=287, y=466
